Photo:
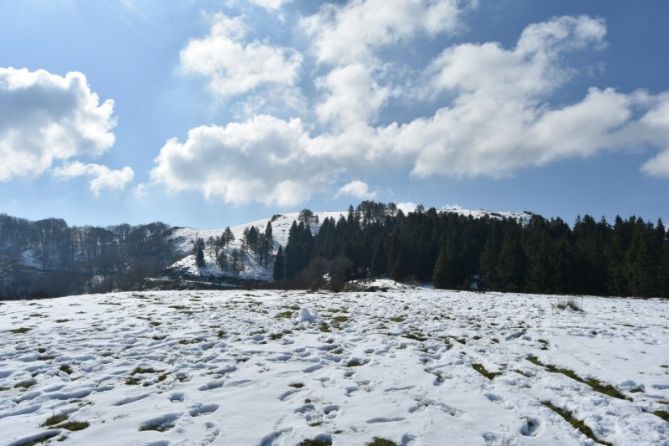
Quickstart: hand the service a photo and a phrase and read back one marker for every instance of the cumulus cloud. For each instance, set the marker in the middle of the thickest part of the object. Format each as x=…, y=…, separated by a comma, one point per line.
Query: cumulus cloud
x=351, y=33
x=356, y=189
x=271, y=5
x=654, y=127
x=495, y=111
x=264, y=159
x=45, y=117
x=500, y=118
x=234, y=66
x=352, y=96
x=102, y=177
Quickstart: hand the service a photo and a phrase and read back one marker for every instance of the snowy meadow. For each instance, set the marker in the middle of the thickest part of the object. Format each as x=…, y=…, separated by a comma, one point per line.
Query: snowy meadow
x=408, y=366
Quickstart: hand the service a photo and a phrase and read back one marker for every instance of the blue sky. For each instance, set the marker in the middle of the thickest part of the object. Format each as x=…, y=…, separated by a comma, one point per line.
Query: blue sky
x=226, y=111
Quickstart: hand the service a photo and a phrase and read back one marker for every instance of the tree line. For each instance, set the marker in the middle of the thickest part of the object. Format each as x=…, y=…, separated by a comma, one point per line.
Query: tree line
x=49, y=258
x=627, y=258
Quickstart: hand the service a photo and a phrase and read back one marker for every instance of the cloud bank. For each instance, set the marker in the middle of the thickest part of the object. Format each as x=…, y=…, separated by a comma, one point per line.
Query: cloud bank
x=46, y=118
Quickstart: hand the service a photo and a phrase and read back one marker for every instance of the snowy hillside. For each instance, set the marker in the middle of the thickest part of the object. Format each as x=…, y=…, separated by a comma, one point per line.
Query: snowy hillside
x=411, y=366
x=184, y=238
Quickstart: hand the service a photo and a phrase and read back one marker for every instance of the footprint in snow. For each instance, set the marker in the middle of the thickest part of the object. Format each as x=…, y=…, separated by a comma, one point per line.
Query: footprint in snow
x=530, y=428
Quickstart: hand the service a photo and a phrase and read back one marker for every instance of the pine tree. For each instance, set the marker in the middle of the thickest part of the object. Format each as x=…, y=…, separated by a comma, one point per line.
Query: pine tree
x=379, y=264
x=441, y=270
x=199, y=252
x=222, y=261
x=400, y=269
x=279, y=266
x=228, y=237
x=511, y=265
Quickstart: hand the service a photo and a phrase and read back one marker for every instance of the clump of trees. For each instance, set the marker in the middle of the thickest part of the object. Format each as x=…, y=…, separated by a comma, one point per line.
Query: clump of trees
x=627, y=258
x=49, y=258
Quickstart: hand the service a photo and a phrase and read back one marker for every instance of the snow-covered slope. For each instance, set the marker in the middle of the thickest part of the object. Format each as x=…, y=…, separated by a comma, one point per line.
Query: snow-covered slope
x=184, y=238
x=277, y=368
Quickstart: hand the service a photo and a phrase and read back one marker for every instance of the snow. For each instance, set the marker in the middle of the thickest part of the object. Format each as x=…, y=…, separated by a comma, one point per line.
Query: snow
x=277, y=367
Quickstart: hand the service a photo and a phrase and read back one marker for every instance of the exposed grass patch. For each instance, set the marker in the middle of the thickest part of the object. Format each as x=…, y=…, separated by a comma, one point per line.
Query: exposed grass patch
x=416, y=336
x=338, y=320
x=62, y=321
x=220, y=334
x=485, y=372
x=662, y=414
x=20, y=330
x=296, y=385
x=578, y=424
x=594, y=383
x=74, y=426
x=54, y=419
x=569, y=304
x=324, y=327
x=382, y=442
x=285, y=314
x=354, y=363
x=318, y=441
x=132, y=381
x=398, y=319
x=25, y=385
x=141, y=370
x=190, y=341
x=65, y=369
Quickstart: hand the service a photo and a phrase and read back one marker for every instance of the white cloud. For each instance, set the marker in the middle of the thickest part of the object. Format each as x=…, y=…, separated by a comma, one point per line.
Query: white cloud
x=497, y=113
x=500, y=118
x=234, y=66
x=352, y=32
x=264, y=159
x=102, y=177
x=352, y=97
x=270, y=5
x=654, y=127
x=45, y=117
x=356, y=189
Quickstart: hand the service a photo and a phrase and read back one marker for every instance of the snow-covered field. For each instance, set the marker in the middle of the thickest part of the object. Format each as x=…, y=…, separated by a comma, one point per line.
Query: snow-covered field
x=277, y=368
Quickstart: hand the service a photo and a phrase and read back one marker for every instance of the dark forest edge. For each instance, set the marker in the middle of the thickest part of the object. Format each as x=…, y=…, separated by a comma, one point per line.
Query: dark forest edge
x=537, y=255
x=547, y=256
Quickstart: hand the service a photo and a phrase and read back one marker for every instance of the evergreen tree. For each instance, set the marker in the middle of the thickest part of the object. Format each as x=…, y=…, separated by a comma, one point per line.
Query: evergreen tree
x=440, y=277
x=227, y=236
x=379, y=265
x=279, y=266
x=511, y=265
x=222, y=261
x=199, y=252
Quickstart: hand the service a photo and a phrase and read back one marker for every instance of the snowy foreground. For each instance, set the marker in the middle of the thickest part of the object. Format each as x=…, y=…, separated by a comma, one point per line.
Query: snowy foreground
x=277, y=368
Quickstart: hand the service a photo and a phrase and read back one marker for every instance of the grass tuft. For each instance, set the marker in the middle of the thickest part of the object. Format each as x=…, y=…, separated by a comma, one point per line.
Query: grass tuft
x=74, y=426
x=662, y=414
x=20, y=330
x=381, y=442
x=54, y=419
x=485, y=372
x=594, y=383
x=569, y=304
x=65, y=369
x=578, y=424
x=318, y=441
